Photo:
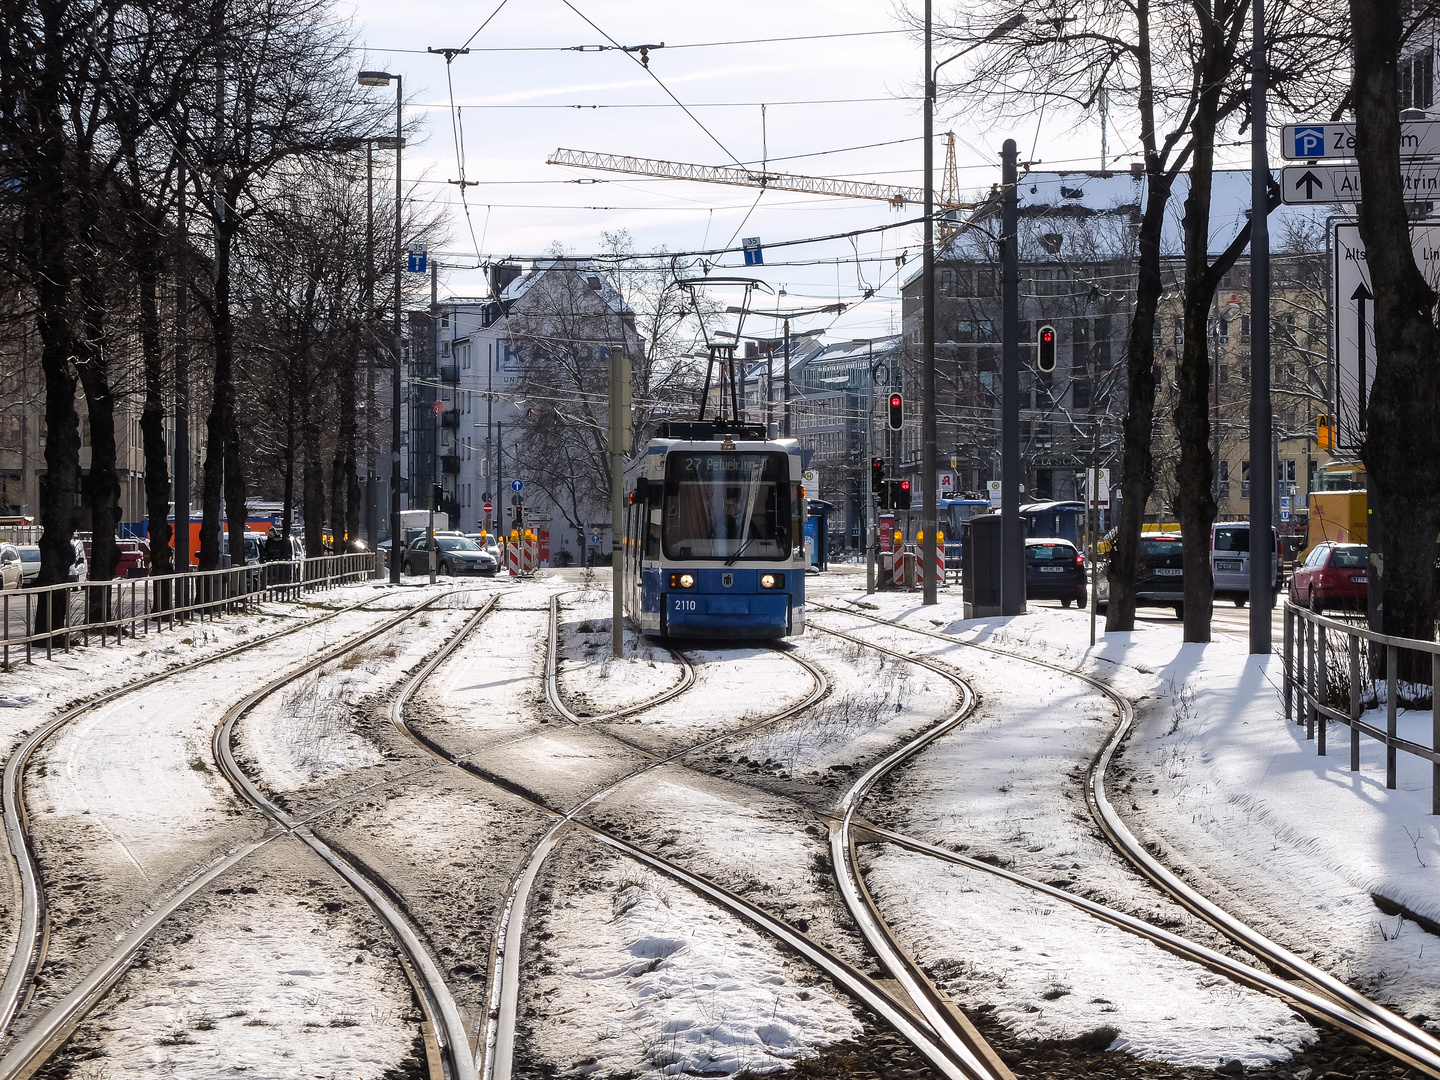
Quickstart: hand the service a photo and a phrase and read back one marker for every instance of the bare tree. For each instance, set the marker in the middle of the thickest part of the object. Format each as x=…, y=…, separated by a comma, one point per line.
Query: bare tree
x=1402, y=440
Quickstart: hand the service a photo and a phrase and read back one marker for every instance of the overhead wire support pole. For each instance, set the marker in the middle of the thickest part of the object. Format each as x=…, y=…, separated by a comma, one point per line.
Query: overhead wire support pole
x=927, y=358
x=1012, y=539
x=1262, y=573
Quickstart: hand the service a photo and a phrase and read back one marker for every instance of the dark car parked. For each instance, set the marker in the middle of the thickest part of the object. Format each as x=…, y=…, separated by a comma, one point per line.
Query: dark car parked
x=1159, y=574
x=454, y=555
x=1054, y=570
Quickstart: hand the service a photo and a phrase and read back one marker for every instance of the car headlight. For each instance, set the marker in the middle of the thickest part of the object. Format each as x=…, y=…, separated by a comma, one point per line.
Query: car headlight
x=772, y=581
x=682, y=581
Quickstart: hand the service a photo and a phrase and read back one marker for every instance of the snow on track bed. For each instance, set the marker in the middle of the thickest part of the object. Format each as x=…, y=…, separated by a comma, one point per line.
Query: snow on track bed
x=733, y=687
x=764, y=847
x=1020, y=761
x=123, y=802
x=313, y=732
x=592, y=681
x=277, y=970
x=633, y=975
x=1048, y=972
x=446, y=844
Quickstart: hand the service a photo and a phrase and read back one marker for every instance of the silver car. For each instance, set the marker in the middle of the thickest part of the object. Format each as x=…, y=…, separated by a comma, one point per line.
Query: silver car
x=10, y=566
x=1230, y=561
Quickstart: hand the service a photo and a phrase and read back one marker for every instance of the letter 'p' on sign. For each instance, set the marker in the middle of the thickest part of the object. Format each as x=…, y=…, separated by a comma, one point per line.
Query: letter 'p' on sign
x=1309, y=142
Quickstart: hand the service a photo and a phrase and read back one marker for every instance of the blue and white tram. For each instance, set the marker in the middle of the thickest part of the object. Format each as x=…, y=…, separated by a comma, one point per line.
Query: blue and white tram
x=715, y=533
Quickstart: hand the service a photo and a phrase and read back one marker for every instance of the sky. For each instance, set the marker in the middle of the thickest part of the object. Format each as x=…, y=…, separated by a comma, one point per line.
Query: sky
x=839, y=100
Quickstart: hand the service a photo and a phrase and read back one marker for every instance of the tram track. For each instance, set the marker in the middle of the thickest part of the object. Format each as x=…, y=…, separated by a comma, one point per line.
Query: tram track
x=33, y=932
x=497, y=1049
x=1320, y=994
x=31, y=1050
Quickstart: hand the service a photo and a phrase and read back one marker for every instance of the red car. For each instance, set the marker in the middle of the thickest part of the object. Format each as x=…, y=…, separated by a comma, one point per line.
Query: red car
x=1332, y=575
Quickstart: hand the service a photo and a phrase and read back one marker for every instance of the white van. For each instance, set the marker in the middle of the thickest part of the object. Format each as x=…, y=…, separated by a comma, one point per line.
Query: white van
x=1230, y=561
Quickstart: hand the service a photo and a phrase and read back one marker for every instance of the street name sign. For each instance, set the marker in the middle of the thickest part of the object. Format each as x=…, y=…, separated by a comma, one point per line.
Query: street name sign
x=1353, y=316
x=1305, y=185
x=1314, y=142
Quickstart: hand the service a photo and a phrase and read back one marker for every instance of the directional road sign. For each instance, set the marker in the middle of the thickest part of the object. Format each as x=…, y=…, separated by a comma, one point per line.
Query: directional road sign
x=1354, y=313
x=1312, y=142
x=754, y=253
x=1302, y=185
x=517, y=485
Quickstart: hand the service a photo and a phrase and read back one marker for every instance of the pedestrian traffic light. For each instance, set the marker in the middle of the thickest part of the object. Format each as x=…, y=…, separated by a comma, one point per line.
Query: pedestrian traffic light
x=437, y=496
x=902, y=495
x=897, y=412
x=1045, y=345
x=877, y=474
x=1324, y=433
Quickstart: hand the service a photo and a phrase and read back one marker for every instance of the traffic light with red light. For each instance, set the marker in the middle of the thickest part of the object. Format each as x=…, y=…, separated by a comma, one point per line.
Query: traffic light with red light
x=902, y=495
x=877, y=474
x=1045, y=346
x=897, y=412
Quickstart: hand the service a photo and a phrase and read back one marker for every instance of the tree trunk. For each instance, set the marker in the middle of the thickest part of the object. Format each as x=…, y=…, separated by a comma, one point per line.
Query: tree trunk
x=314, y=490
x=100, y=407
x=1401, y=450
x=222, y=391
x=1194, y=474
x=345, y=487
x=152, y=421
x=1137, y=477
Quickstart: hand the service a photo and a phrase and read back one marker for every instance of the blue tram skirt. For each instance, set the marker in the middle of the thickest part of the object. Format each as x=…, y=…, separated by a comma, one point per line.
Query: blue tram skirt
x=700, y=615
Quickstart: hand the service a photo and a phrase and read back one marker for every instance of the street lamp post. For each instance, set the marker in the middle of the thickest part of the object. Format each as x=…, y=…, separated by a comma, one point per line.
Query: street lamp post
x=383, y=78
x=927, y=357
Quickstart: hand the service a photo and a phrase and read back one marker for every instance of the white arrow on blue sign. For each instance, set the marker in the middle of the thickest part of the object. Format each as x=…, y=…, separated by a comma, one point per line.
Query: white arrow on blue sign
x=517, y=485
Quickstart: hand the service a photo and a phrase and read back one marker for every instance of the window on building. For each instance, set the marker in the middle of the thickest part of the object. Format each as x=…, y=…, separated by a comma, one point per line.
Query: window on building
x=1224, y=374
x=946, y=284
x=985, y=281
x=1080, y=394
x=976, y=330
x=1080, y=346
x=1417, y=80
x=1245, y=328
x=1283, y=328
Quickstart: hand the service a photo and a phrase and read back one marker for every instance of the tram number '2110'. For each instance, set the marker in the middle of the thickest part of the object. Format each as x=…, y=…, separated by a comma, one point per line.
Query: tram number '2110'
x=684, y=605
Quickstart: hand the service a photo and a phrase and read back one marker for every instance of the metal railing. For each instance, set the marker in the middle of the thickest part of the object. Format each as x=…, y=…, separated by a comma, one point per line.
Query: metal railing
x=56, y=616
x=1312, y=683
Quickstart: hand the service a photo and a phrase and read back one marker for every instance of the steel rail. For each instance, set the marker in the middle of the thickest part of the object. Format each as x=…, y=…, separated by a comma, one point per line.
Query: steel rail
x=507, y=948
x=552, y=680
x=1369, y=1013
x=31, y=1051
x=33, y=934
x=436, y=1000
x=973, y=1050
x=499, y=1042
x=1318, y=1006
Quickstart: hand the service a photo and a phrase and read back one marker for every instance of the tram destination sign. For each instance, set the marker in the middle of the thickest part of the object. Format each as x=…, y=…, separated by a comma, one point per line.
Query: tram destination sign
x=1318, y=142
x=1306, y=185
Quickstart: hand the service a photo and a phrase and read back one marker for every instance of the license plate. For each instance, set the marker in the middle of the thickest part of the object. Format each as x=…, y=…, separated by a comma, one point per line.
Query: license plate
x=1226, y=564
x=1052, y=569
x=1359, y=580
x=1168, y=573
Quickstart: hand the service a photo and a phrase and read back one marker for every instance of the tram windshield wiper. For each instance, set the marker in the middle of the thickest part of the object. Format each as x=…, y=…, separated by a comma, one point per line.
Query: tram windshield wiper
x=739, y=551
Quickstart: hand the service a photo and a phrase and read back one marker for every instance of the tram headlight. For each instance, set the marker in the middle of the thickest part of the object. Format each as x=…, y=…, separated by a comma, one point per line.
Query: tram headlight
x=682, y=581
x=772, y=581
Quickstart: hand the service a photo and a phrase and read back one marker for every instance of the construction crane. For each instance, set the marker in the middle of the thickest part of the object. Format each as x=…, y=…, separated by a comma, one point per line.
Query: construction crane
x=947, y=203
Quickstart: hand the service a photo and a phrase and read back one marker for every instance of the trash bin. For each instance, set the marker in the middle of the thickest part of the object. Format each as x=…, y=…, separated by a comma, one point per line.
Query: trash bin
x=980, y=565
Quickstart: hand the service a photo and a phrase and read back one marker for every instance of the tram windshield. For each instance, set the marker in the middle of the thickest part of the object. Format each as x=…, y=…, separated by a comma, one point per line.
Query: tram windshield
x=727, y=504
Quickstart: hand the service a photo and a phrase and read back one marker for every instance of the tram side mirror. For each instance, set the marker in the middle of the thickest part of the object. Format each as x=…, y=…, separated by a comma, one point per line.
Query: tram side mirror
x=642, y=489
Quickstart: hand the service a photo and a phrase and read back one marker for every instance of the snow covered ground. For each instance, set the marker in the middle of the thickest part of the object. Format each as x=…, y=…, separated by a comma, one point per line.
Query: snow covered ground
x=276, y=971
x=638, y=977
x=594, y=682
x=1236, y=797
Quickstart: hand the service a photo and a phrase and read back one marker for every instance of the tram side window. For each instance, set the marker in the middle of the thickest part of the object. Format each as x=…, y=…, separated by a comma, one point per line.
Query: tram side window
x=730, y=505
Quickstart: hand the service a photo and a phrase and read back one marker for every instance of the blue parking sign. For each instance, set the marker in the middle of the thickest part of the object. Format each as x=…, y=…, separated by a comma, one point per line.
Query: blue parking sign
x=1309, y=142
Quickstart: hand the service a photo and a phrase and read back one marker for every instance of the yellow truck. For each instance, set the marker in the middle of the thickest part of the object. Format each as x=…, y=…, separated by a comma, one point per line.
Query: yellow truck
x=1339, y=516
